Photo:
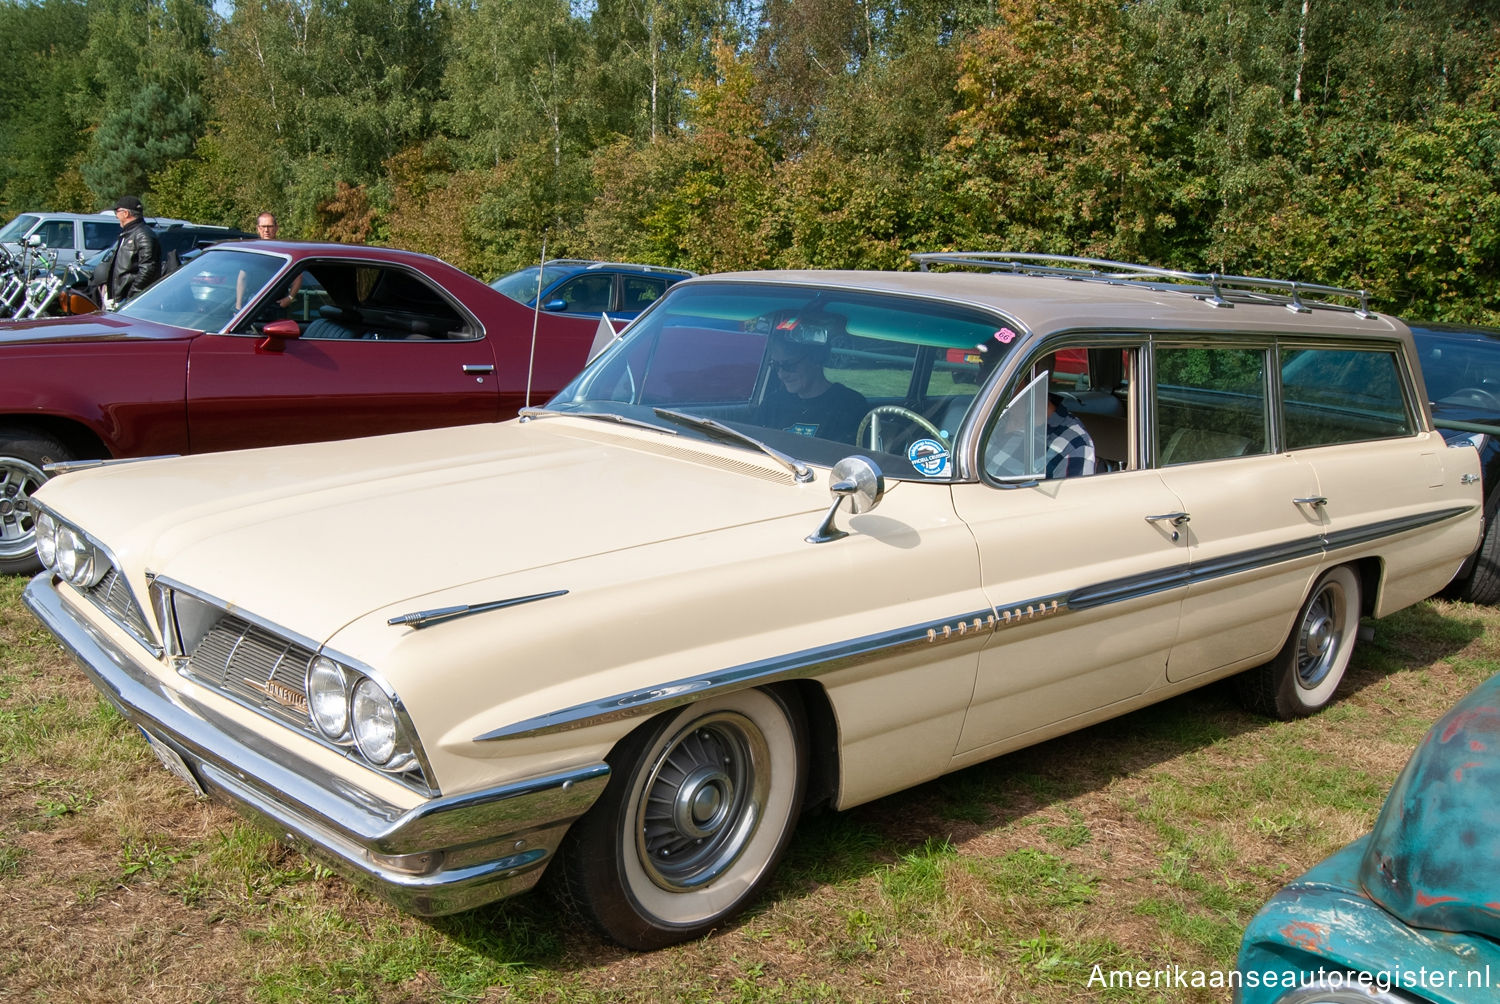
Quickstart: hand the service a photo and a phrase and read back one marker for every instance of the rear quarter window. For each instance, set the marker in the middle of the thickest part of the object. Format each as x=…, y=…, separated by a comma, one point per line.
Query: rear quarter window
x=1342, y=396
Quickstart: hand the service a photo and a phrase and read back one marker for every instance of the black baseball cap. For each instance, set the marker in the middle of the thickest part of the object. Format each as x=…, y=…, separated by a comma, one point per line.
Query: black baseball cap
x=131, y=203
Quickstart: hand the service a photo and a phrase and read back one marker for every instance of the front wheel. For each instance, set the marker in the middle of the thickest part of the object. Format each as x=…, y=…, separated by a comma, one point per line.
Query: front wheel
x=23, y=454
x=699, y=807
x=1308, y=669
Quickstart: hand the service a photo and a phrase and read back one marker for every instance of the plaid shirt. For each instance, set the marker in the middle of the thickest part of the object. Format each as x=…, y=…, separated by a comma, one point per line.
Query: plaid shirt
x=1070, y=449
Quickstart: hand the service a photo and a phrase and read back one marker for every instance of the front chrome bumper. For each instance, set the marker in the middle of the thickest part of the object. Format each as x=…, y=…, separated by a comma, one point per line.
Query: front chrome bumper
x=444, y=855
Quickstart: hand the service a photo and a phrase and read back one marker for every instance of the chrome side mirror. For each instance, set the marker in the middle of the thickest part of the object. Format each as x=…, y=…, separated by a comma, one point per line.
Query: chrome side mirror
x=857, y=479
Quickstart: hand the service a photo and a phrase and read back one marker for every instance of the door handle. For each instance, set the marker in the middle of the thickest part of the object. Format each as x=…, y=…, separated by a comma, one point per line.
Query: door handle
x=1174, y=518
x=1316, y=501
x=479, y=367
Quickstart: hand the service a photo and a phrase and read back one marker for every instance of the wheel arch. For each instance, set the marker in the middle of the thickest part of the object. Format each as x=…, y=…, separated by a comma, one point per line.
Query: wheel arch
x=824, y=766
x=1370, y=571
x=82, y=442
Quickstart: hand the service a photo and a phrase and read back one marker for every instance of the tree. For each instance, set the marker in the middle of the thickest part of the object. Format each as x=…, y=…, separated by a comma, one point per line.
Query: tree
x=149, y=60
x=40, y=133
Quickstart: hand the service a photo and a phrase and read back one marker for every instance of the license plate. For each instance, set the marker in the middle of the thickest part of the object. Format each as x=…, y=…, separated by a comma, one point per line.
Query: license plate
x=170, y=760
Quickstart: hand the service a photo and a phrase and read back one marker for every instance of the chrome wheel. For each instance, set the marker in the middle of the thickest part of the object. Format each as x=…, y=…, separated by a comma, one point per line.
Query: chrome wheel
x=19, y=479
x=1325, y=633
x=703, y=798
x=700, y=806
x=1310, y=666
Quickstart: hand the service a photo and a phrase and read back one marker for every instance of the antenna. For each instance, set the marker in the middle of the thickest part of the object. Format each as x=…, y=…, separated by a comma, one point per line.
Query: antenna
x=536, y=315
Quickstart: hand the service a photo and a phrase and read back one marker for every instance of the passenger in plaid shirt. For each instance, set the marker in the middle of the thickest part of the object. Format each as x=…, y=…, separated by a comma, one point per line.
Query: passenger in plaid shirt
x=1070, y=448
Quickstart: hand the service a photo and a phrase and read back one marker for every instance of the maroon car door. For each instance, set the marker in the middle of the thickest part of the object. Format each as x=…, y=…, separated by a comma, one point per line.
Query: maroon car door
x=244, y=391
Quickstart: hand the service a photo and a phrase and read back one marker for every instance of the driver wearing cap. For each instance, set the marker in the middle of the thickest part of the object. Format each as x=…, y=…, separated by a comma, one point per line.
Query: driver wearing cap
x=802, y=399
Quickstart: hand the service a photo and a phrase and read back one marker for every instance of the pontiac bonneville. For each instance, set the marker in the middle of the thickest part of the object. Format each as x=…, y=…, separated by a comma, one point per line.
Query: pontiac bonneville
x=794, y=539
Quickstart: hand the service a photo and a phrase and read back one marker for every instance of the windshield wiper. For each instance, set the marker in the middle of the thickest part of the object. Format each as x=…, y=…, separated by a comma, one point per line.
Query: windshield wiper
x=800, y=471
x=609, y=416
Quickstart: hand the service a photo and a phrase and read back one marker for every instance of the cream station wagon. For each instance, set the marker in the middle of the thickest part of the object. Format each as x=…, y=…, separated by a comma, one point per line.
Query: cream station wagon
x=794, y=538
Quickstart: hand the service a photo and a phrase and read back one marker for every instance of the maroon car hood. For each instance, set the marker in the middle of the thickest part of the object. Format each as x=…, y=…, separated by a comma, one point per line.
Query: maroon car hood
x=87, y=327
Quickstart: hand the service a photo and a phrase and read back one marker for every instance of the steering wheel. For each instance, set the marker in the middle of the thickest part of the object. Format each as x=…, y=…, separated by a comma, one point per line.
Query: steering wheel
x=871, y=423
x=1475, y=395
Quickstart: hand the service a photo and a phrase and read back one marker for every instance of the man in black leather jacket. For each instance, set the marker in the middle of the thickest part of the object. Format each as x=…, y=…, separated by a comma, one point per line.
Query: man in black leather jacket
x=137, y=262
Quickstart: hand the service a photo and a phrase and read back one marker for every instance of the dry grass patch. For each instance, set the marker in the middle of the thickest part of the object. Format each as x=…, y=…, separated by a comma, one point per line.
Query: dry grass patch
x=1147, y=842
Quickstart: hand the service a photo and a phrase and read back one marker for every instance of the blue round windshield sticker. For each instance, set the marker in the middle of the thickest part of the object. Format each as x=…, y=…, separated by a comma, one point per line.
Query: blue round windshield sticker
x=929, y=457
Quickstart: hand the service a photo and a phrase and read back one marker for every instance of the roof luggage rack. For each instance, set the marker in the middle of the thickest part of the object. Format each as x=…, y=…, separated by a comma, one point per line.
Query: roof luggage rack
x=1211, y=287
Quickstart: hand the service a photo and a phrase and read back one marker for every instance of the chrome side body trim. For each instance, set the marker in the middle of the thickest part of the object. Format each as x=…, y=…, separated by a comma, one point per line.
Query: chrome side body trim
x=811, y=662
x=477, y=847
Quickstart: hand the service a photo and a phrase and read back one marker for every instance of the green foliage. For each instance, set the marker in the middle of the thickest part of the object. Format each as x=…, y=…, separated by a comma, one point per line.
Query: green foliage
x=40, y=132
x=1355, y=144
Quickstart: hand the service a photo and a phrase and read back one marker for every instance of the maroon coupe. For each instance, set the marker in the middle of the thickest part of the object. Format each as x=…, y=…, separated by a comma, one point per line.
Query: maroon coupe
x=263, y=342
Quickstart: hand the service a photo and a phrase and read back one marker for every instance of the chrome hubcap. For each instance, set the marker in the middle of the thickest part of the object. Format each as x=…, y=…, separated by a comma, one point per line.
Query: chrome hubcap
x=1321, y=632
x=702, y=802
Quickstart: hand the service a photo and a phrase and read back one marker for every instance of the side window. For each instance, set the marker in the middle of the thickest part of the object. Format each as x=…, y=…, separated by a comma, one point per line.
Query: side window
x=98, y=236
x=640, y=292
x=587, y=294
x=56, y=233
x=1211, y=403
x=1342, y=396
x=1072, y=419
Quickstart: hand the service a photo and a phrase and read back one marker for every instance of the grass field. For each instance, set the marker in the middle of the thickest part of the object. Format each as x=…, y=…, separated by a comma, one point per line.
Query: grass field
x=1144, y=843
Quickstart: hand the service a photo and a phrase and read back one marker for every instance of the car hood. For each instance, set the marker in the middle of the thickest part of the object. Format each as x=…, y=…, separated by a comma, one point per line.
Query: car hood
x=1432, y=856
x=86, y=327
x=312, y=537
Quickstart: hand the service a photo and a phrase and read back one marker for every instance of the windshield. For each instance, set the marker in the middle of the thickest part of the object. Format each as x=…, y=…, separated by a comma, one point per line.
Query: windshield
x=16, y=228
x=207, y=292
x=811, y=372
x=521, y=286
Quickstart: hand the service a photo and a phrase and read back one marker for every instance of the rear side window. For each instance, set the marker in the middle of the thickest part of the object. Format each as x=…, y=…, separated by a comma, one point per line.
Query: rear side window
x=1211, y=403
x=100, y=235
x=640, y=292
x=1342, y=396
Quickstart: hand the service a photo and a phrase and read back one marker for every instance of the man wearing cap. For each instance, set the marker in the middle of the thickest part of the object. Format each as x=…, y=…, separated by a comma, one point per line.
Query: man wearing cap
x=137, y=262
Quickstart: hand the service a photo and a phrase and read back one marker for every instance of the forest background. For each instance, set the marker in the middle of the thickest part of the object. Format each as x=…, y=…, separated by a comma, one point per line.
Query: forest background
x=1354, y=142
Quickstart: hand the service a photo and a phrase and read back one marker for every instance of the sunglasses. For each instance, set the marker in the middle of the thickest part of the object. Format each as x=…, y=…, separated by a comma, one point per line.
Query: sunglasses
x=790, y=363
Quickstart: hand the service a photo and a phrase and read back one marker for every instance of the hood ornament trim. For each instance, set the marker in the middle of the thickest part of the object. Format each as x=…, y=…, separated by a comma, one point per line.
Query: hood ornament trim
x=439, y=615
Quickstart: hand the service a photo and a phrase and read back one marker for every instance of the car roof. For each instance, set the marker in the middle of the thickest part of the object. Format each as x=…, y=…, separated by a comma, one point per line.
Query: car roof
x=103, y=214
x=1044, y=304
x=573, y=265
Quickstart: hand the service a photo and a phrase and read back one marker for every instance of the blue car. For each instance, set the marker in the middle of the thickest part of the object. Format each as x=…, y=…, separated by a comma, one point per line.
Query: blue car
x=1410, y=913
x=577, y=286
x=1461, y=366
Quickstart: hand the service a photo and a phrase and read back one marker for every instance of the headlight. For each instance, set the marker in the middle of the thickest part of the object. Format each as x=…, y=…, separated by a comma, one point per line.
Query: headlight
x=328, y=697
x=377, y=730
x=46, y=539
x=77, y=560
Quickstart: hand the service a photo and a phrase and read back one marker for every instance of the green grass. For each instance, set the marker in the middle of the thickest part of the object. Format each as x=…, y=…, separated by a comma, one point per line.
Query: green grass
x=1140, y=844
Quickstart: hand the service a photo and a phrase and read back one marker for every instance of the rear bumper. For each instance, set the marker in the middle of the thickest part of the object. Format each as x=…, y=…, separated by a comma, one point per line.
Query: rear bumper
x=444, y=855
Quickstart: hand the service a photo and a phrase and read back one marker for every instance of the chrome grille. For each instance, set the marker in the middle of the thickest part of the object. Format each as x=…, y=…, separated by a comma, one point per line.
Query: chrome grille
x=255, y=667
x=114, y=597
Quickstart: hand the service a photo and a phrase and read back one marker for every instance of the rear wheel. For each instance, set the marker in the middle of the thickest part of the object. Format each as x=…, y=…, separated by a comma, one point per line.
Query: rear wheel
x=1307, y=671
x=699, y=807
x=23, y=454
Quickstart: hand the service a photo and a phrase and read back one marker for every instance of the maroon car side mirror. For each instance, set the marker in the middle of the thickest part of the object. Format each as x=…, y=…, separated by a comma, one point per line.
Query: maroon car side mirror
x=276, y=334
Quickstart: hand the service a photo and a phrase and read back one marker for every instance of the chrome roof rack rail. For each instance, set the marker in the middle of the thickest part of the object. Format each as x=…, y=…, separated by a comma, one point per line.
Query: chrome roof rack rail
x=1213, y=288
